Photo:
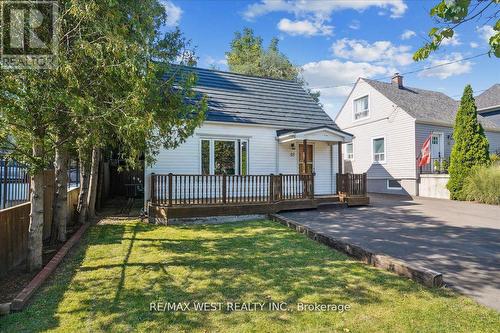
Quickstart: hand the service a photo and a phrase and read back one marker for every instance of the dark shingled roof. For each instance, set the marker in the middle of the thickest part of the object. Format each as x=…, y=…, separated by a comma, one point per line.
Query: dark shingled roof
x=424, y=105
x=489, y=98
x=254, y=100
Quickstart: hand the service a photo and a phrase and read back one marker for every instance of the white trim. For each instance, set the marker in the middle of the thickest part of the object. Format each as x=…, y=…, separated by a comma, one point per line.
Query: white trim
x=354, y=120
x=385, y=150
x=237, y=153
x=394, y=188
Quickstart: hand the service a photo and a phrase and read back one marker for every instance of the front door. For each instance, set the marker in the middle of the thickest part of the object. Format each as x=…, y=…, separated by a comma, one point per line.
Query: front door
x=437, y=152
x=306, y=167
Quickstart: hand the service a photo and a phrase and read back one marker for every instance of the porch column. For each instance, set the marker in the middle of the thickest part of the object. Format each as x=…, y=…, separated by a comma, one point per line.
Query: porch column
x=339, y=145
x=305, y=155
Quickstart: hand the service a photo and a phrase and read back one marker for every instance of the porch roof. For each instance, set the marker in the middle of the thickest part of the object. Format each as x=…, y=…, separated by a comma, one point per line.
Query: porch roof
x=320, y=133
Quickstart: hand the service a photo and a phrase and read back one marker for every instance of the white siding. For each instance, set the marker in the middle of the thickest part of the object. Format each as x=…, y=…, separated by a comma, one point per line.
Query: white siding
x=385, y=120
x=185, y=159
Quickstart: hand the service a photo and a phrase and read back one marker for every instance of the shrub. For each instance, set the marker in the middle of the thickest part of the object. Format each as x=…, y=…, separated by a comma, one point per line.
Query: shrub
x=495, y=159
x=471, y=146
x=483, y=185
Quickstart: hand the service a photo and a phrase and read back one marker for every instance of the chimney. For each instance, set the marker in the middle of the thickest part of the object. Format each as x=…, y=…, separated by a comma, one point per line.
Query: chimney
x=397, y=79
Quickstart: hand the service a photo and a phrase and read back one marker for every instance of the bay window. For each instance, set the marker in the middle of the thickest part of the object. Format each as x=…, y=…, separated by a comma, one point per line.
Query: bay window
x=224, y=156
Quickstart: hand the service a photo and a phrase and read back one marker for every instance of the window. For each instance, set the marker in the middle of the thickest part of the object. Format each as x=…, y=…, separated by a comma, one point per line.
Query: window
x=394, y=184
x=205, y=157
x=361, y=108
x=379, y=150
x=219, y=156
x=349, y=151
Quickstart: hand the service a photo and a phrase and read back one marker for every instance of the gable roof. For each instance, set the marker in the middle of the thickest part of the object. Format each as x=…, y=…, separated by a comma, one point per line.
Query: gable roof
x=248, y=99
x=424, y=105
x=489, y=98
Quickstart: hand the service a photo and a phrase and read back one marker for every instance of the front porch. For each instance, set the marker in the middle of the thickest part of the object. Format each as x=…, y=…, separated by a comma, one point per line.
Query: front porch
x=195, y=196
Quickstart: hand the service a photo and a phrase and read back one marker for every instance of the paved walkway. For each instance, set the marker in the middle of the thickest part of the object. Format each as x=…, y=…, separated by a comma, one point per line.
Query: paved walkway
x=459, y=239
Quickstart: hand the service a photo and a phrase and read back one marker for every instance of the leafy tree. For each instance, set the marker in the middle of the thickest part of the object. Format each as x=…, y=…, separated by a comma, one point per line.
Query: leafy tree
x=470, y=148
x=109, y=90
x=247, y=56
x=451, y=15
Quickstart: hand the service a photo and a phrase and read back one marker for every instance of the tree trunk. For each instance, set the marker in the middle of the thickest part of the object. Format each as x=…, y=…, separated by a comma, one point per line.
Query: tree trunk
x=82, y=207
x=60, y=217
x=94, y=174
x=35, y=233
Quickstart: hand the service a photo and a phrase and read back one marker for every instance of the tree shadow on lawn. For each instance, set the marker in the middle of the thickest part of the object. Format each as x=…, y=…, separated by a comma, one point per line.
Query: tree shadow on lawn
x=109, y=282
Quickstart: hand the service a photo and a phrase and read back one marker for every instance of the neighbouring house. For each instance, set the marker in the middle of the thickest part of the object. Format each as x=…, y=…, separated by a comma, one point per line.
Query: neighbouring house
x=264, y=141
x=488, y=106
x=390, y=123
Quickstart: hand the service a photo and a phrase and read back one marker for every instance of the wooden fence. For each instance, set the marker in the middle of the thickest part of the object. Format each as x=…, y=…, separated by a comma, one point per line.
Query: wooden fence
x=351, y=184
x=14, y=225
x=174, y=190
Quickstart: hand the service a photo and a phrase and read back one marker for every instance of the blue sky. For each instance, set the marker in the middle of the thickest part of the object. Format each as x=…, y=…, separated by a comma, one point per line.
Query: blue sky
x=337, y=41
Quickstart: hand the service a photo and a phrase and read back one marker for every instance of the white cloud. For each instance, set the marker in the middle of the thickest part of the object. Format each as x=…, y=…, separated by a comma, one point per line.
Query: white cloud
x=407, y=34
x=174, y=13
x=321, y=9
x=474, y=45
x=383, y=52
x=486, y=31
x=304, y=27
x=326, y=73
x=213, y=61
x=453, y=41
x=355, y=25
x=444, y=72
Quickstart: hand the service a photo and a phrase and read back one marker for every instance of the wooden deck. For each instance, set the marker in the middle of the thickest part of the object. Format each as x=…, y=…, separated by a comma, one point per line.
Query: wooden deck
x=192, y=196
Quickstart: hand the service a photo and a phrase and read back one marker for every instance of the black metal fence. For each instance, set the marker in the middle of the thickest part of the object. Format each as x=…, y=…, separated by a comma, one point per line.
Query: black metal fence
x=15, y=181
x=436, y=166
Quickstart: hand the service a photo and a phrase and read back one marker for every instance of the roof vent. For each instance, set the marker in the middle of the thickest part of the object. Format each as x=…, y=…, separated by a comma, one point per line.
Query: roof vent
x=397, y=79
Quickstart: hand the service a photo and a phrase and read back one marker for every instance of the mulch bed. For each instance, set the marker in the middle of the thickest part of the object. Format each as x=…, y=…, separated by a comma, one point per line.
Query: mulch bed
x=18, y=278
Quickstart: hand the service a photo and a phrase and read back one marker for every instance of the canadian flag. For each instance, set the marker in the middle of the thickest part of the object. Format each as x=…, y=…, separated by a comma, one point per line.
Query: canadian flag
x=425, y=153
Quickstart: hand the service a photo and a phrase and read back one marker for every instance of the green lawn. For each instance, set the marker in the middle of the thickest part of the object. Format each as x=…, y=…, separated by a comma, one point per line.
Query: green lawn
x=109, y=280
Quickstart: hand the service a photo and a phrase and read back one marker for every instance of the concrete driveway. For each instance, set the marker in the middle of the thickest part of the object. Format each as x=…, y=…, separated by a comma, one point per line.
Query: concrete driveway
x=459, y=239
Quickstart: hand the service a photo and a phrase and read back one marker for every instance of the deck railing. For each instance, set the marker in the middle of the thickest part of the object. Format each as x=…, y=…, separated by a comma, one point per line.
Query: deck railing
x=174, y=190
x=435, y=166
x=351, y=184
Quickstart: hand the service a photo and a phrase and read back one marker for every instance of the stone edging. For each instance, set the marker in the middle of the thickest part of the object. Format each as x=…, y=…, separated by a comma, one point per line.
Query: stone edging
x=24, y=296
x=427, y=277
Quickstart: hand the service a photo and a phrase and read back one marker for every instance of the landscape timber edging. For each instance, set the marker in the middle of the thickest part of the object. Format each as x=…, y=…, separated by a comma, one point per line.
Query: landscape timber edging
x=25, y=295
x=424, y=276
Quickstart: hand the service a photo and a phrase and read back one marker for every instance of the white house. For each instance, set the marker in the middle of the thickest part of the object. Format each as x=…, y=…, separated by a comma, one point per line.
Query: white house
x=390, y=123
x=254, y=126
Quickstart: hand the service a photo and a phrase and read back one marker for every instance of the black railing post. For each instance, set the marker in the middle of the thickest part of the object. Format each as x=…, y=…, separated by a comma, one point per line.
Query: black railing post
x=152, y=183
x=224, y=189
x=271, y=188
x=170, y=176
x=5, y=180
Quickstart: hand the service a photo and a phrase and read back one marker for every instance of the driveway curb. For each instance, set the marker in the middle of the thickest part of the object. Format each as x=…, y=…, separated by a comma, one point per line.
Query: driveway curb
x=424, y=276
x=24, y=296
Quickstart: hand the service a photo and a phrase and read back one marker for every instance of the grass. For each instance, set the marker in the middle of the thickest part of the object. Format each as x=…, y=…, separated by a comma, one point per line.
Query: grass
x=483, y=185
x=109, y=280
